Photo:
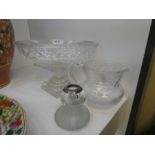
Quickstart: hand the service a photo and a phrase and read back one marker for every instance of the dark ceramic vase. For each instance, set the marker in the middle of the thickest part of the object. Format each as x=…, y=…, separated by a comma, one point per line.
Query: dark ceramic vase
x=6, y=50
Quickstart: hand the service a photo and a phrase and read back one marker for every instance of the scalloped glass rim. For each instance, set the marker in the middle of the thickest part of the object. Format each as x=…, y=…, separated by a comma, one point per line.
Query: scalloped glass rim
x=50, y=43
x=47, y=52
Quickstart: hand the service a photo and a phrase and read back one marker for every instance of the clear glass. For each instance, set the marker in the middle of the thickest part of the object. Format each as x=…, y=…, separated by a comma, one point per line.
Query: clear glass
x=56, y=55
x=73, y=114
x=101, y=81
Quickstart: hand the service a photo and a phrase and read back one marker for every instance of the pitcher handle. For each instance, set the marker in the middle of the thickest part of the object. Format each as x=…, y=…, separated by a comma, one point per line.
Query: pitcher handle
x=73, y=70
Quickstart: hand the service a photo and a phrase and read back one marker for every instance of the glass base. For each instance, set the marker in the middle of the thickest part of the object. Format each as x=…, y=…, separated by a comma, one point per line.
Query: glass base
x=104, y=97
x=72, y=117
x=55, y=85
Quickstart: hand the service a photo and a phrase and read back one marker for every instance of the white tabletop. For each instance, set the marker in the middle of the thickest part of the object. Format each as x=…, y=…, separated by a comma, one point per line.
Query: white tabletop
x=40, y=107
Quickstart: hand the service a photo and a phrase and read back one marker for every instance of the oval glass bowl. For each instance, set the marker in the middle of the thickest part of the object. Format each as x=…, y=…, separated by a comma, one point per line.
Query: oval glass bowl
x=56, y=55
x=12, y=117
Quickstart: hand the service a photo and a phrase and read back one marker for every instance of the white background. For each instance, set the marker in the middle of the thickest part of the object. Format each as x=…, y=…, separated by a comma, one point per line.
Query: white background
x=21, y=30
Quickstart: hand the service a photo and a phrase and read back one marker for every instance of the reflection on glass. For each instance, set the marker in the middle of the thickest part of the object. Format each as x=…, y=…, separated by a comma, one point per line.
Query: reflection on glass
x=56, y=55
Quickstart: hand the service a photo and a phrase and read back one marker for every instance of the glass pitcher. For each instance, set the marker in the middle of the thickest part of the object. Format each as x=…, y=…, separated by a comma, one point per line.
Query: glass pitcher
x=73, y=114
x=100, y=80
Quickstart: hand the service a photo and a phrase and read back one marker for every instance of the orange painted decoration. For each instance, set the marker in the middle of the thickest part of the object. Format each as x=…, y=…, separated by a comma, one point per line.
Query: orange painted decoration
x=6, y=50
